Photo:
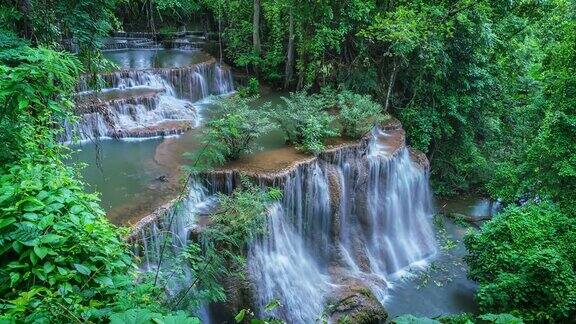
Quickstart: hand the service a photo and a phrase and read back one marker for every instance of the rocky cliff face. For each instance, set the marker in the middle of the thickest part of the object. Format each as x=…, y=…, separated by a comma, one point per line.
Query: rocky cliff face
x=350, y=218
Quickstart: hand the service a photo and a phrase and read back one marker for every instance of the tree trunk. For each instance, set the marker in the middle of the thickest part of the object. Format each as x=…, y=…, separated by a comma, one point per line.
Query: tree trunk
x=256, y=33
x=256, y=28
x=290, y=53
x=25, y=26
x=391, y=84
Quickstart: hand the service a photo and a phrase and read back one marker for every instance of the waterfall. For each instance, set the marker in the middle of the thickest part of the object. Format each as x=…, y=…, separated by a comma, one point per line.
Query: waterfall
x=282, y=267
x=352, y=217
x=145, y=103
x=175, y=226
x=380, y=225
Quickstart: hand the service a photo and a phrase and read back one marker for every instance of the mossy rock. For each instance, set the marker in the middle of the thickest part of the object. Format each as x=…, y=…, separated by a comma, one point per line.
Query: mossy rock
x=355, y=303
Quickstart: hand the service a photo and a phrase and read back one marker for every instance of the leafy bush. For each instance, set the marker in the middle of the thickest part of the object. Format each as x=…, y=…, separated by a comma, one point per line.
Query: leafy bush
x=305, y=121
x=230, y=135
x=525, y=261
x=459, y=319
x=250, y=90
x=357, y=113
x=35, y=86
x=60, y=258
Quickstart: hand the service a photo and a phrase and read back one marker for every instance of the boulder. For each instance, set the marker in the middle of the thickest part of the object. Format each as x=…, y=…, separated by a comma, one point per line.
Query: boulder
x=353, y=302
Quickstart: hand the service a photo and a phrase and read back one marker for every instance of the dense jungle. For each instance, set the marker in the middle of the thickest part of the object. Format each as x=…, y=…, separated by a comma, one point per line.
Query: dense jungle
x=281, y=161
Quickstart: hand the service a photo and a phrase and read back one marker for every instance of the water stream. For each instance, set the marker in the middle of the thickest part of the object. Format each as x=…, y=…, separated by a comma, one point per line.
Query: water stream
x=361, y=213
x=155, y=94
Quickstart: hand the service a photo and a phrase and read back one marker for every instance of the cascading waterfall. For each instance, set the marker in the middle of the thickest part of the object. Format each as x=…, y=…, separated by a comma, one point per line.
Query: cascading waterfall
x=174, y=227
x=382, y=226
x=283, y=267
x=361, y=212
x=142, y=103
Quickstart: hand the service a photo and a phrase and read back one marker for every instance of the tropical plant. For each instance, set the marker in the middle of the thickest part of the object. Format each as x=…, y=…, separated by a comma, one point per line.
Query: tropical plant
x=525, y=262
x=305, y=121
x=233, y=133
x=358, y=113
x=251, y=89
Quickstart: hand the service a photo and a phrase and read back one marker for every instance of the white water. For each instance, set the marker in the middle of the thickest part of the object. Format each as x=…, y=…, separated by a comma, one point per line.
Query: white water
x=282, y=267
x=383, y=227
x=140, y=102
x=361, y=213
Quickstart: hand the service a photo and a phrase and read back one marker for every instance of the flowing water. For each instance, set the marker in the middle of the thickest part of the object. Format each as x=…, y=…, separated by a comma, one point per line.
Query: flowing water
x=362, y=213
x=154, y=95
x=376, y=224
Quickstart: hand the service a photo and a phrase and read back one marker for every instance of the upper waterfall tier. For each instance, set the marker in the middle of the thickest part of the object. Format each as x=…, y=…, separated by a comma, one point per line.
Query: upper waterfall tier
x=143, y=103
x=350, y=219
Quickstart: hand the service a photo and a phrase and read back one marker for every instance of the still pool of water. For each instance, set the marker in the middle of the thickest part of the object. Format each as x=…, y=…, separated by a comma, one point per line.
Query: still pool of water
x=155, y=58
x=136, y=176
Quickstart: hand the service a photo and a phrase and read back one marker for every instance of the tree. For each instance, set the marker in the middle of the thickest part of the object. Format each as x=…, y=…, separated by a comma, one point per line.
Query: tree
x=525, y=262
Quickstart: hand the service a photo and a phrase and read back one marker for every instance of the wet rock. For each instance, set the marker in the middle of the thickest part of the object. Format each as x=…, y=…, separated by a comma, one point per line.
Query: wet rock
x=354, y=302
x=419, y=158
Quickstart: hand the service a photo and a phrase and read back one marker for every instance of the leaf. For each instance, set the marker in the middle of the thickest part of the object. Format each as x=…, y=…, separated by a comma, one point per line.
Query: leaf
x=48, y=267
x=23, y=103
x=76, y=209
x=30, y=216
x=178, y=318
x=41, y=251
x=32, y=204
x=240, y=316
x=104, y=281
x=6, y=221
x=50, y=238
x=46, y=221
x=132, y=316
x=82, y=268
x=275, y=303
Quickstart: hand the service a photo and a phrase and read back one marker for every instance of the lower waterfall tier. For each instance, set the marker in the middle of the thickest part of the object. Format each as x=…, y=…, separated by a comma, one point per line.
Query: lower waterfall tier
x=350, y=219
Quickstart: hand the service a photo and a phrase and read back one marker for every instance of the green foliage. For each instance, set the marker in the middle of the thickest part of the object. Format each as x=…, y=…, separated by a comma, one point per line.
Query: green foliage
x=35, y=85
x=233, y=133
x=83, y=23
x=220, y=249
x=459, y=319
x=61, y=259
x=250, y=90
x=543, y=164
x=239, y=219
x=525, y=262
x=247, y=316
x=358, y=113
x=145, y=316
x=305, y=121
